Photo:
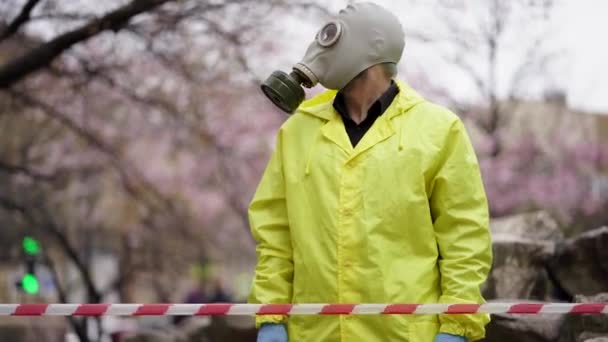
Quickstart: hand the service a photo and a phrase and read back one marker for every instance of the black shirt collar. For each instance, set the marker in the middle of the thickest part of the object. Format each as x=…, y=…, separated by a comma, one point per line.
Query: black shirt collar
x=377, y=109
x=356, y=132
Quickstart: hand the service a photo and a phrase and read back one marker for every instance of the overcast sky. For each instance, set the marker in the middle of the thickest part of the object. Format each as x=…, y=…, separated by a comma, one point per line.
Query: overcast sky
x=579, y=29
x=585, y=33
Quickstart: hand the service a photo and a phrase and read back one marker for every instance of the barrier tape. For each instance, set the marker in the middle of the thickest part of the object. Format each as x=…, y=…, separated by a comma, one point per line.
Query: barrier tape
x=295, y=309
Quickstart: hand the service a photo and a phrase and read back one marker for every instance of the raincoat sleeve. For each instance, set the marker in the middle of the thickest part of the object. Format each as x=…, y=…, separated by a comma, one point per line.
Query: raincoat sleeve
x=269, y=225
x=460, y=217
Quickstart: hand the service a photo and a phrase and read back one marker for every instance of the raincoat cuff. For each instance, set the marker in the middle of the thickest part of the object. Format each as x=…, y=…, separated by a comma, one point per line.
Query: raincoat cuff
x=470, y=326
x=452, y=329
x=277, y=319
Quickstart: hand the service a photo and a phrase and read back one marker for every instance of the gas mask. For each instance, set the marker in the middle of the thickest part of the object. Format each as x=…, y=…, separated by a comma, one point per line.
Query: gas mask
x=361, y=36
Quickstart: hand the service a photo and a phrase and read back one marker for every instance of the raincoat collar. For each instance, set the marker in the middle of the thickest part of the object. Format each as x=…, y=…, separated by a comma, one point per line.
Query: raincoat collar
x=321, y=106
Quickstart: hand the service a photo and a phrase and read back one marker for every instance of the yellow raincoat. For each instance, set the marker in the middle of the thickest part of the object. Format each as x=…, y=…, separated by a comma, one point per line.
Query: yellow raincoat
x=400, y=218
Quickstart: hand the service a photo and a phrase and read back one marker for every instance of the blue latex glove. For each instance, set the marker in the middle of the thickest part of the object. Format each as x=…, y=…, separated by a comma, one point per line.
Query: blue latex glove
x=449, y=338
x=271, y=332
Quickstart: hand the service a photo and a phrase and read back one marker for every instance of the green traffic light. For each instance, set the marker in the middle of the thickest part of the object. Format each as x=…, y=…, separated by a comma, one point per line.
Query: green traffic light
x=29, y=283
x=30, y=245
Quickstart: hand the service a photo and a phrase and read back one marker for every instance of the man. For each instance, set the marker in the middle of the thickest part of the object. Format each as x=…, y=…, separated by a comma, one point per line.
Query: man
x=372, y=195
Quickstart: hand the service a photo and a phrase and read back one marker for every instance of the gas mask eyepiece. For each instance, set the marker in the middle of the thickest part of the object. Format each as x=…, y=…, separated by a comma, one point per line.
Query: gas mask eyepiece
x=329, y=34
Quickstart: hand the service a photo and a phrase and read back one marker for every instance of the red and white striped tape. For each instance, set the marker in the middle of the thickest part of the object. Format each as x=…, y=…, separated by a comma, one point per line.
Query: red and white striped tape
x=294, y=309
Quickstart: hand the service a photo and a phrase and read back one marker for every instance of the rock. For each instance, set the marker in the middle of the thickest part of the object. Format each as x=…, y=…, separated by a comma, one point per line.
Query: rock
x=581, y=263
x=51, y=329
x=522, y=246
x=211, y=329
x=595, y=339
x=581, y=328
x=536, y=226
x=151, y=336
x=519, y=271
x=524, y=328
x=229, y=328
x=550, y=327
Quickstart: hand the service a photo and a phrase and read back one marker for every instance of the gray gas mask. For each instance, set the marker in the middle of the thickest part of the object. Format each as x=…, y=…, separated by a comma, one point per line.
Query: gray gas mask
x=361, y=36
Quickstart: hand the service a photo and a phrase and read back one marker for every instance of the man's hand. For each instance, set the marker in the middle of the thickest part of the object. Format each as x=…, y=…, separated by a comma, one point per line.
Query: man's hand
x=271, y=332
x=448, y=338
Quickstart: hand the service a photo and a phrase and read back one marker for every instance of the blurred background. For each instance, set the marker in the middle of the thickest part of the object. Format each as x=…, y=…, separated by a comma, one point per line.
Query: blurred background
x=133, y=134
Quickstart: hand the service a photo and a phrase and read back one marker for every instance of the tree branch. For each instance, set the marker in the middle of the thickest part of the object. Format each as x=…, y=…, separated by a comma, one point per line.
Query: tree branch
x=43, y=55
x=66, y=121
x=133, y=181
x=22, y=18
x=77, y=324
x=50, y=227
x=67, y=16
x=94, y=296
x=8, y=204
x=25, y=171
x=313, y=6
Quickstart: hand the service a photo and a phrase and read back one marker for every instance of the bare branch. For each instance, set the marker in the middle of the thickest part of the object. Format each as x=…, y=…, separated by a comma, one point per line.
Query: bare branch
x=94, y=296
x=235, y=40
x=534, y=62
x=49, y=226
x=63, y=16
x=115, y=160
x=78, y=325
x=56, y=175
x=27, y=213
x=24, y=170
x=132, y=180
x=66, y=121
x=43, y=55
x=470, y=70
x=164, y=58
x=313, y=6
x=22, y=18
x=11, y=205
x=121, y=279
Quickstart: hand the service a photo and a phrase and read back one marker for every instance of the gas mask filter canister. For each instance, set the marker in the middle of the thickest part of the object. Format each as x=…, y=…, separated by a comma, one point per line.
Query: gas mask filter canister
x=284, y=90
